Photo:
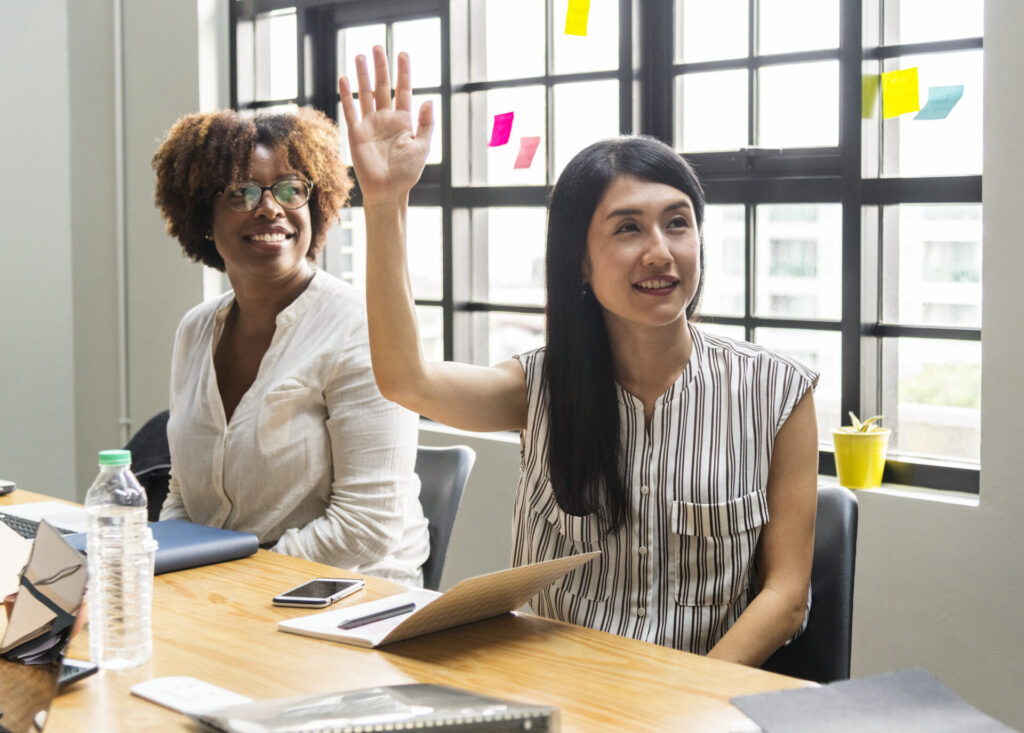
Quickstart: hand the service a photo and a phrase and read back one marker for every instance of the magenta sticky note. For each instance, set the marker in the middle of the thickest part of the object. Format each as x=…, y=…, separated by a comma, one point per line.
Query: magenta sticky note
x=527, y=149
x=502, y=129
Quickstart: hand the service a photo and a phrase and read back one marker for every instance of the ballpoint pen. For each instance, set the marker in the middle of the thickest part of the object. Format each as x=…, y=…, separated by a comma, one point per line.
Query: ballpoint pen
x=377, y=616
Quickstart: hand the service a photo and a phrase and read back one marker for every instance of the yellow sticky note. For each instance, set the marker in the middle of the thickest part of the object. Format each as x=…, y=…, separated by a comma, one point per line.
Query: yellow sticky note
x=576, y=18
x=899, y=93
x=869, y=89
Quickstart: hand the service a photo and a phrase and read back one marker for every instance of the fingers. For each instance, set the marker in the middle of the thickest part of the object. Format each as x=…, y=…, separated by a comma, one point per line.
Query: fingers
x=403, y=88
x=363, y=77
x=425, y=123
x=348, y=106
x=382, y=93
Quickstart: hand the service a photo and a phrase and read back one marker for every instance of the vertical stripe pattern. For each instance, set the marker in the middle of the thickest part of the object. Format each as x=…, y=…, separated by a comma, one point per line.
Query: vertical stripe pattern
x=681, y=569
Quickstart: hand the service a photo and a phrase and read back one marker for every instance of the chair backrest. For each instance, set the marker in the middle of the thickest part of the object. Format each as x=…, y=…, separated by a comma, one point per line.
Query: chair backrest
x=443, y=473
x=151, y=461
x=822, y=652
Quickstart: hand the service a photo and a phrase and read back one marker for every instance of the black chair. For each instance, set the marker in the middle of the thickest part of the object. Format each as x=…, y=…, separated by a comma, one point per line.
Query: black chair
x=443, y=473
x=151, y=461
x=822, y=652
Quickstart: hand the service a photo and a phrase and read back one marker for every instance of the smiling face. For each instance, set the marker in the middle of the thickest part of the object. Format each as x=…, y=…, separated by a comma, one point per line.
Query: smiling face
x=643, y=254
x=270, y=242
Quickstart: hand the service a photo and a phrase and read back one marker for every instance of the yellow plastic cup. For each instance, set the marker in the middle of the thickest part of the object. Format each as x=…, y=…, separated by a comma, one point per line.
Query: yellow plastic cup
x=860, y=457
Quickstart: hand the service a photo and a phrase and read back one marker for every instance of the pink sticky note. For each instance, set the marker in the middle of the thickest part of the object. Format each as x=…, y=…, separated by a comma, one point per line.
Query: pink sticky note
x=527, y=148
x=502, y=129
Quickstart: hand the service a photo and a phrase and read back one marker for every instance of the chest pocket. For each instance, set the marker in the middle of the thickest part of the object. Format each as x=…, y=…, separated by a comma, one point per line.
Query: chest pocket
x=555, y=533
x=716, y=544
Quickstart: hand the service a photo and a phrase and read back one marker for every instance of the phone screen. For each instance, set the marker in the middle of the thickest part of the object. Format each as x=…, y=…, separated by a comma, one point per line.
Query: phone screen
x=319, y=588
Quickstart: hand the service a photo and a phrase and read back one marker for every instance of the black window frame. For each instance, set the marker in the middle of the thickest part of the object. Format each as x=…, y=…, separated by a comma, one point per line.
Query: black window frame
x=646, y=75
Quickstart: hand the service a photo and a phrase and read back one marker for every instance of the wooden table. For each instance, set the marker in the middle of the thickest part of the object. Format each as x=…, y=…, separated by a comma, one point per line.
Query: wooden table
x=217, y=623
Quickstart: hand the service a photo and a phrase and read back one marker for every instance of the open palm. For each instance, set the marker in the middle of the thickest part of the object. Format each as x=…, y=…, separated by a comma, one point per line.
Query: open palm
x=388, y=155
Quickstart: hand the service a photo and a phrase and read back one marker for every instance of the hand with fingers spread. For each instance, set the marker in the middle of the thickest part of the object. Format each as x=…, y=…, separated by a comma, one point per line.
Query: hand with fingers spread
x=388, y=155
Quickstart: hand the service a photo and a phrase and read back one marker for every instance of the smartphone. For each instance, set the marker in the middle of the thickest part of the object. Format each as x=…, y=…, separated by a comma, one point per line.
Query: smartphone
x=73, y=670
x=319, y=592
x=6, y=487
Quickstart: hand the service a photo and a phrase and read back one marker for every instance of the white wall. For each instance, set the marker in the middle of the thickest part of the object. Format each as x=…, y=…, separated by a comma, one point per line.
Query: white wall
x=37, y=430
x=61, y=374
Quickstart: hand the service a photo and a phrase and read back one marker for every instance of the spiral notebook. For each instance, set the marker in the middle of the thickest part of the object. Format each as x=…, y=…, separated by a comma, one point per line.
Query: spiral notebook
x=420, y=707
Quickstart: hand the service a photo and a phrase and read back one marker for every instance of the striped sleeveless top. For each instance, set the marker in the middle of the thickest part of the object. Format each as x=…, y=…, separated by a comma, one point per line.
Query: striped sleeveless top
x=680, y=571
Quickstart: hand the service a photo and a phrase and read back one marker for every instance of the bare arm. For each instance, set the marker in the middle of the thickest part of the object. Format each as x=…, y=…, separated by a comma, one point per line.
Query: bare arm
x=786, y=547
x=388, y=157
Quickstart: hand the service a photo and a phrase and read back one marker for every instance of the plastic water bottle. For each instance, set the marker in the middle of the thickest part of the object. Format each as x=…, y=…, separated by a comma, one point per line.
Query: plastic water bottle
x=120, y=550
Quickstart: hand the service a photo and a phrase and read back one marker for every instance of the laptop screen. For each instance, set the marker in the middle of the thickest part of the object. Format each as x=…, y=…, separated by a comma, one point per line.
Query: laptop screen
x=50, y=593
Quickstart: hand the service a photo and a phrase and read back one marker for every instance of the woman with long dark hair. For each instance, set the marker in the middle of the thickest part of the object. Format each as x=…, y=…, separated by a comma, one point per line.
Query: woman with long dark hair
x=688, y=459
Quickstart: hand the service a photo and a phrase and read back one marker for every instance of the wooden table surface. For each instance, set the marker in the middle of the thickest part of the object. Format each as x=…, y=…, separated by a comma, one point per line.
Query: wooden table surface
x=217, y=623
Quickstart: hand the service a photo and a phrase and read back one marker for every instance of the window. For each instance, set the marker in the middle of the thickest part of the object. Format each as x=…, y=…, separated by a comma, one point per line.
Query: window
x=834, y=234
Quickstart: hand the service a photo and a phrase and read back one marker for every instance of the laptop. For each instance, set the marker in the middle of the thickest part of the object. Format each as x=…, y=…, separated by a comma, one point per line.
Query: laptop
x=50, y=592
x=25, y=518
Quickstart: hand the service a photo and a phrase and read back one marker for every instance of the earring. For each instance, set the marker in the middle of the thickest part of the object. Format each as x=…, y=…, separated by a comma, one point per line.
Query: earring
x=208, y=237
x=586, y=290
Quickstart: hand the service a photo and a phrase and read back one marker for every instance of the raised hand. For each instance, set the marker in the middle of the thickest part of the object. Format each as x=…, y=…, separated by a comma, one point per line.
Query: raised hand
x=387, y=154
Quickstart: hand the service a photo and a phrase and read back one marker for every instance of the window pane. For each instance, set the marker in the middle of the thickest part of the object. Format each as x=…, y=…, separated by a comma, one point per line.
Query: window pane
x=515, y=255
x=422, y=40
x=938, y=410
x=276, y=55
x=245, y=62
x=798, y=105
x=514, y=32
x=584, y=113
x=939, y=253
x=724, y=279
x=714, y=106
x=513, y=333
x=358, y=40
x=348, y=259
x=495, y=166
x=733, y=332
x=434, y=156
x=596, y=51
x=431, y=324
x=944, y=147
x=424, y=235
x=701, y=34
x=798, y=270
x=819, y=350
x=785, y=26
x=936, y=20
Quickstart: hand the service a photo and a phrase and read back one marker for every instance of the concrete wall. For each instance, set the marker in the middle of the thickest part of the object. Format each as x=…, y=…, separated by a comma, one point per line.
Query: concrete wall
x=91, y=87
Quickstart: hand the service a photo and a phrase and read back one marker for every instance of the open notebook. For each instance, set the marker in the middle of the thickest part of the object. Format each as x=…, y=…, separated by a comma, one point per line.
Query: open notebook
x=472, y=599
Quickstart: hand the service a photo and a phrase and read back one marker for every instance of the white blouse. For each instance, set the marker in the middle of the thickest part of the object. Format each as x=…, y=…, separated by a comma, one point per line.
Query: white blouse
x=681, y=569
x=314, y=461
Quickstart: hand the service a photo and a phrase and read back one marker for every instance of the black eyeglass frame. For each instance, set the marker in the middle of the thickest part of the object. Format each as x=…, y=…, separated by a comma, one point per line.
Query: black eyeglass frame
x=264, y=189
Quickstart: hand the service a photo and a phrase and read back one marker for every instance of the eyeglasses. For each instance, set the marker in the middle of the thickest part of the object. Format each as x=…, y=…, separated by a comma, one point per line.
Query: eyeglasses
x=290, y=193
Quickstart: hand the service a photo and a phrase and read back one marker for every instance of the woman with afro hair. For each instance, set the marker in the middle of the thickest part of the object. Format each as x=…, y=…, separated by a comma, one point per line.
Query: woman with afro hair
x=276, y=424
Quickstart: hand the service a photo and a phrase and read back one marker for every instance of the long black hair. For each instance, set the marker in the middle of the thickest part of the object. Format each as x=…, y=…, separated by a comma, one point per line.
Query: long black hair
x=583, y=435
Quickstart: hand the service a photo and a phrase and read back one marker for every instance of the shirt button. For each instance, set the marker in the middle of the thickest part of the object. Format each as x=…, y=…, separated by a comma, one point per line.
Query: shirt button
x=645, y=490
x=642, y=550
x=641, y=612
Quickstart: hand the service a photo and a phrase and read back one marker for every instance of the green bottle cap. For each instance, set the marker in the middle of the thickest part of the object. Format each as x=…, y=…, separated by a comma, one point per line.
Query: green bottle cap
x=115, y=457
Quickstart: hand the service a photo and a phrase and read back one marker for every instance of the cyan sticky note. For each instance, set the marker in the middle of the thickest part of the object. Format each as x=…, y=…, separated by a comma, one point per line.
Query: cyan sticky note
x=527, y=149
x=576, y=17
x=941, y=101
x=900, y=92
x=502, y=129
